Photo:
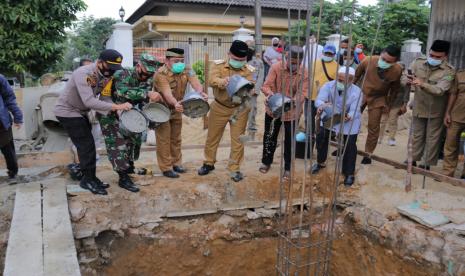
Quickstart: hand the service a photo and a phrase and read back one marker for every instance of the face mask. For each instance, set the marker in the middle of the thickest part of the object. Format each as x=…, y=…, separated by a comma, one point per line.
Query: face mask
x=178, y=67
x=358, y=50
x=236, y=64
x=382, y=64
x=434, y=62
x=106, y=73
x=340, y=86
x=342, y=51
x=326, y=58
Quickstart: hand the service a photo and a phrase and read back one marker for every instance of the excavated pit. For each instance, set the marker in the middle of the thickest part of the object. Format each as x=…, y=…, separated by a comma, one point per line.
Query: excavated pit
x=232, y=245
x=212, y=226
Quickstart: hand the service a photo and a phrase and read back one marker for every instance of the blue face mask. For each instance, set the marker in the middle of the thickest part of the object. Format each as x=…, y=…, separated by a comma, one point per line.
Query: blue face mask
x=340, y=86
x=358, y=50
x=178, y=67
x=236, y=64
x=434, y=62
x=383, y=64
x=326, y=58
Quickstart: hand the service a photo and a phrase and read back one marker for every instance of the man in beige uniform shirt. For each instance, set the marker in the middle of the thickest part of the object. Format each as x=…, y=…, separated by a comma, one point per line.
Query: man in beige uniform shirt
x=223, y=108
x=171, y=81
x=432, y=78
x=454, y=120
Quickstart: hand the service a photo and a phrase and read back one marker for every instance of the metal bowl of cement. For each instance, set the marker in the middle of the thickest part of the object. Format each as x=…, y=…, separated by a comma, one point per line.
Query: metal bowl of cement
x=156, y=113
x=194, y=105
x=238, y=83
x=276, y=102
x=132, y=122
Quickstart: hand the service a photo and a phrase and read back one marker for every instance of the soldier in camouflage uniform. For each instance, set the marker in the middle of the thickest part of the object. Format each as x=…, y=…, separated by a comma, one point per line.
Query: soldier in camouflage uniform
x=133, y=85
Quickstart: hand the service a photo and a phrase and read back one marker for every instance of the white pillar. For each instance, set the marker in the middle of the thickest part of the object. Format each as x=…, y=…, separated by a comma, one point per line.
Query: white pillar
x=411, y=49
x=243, y=34
x=121, y=40
x=334, y=39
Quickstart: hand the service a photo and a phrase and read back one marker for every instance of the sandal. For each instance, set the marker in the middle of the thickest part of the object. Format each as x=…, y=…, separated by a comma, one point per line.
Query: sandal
x=286, y=176
x=264, y=168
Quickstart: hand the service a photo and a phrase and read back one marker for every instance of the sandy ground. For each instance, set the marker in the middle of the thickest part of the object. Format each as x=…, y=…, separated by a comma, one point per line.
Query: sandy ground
x=378, y=186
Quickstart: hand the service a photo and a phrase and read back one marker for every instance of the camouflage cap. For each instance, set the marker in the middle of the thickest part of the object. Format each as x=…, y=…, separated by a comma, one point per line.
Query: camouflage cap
x=150, y=62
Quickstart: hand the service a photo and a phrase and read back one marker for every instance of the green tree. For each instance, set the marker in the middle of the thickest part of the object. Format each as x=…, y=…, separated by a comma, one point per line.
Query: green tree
x=404, y=20
x=331, y=17
x=87, y=39
x=32, y=33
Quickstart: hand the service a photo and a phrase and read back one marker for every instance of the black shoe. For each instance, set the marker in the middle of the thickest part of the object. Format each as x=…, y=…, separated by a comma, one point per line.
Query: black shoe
x=92, y=186
x=424, y=167
x=349, y=180
x=125, y=182
x=101, y=184
x=170, y=174
x=414, y=163
x=205, y=169
x=366, y=160
x=237, y=176
x=179, y=169
x=317, y=167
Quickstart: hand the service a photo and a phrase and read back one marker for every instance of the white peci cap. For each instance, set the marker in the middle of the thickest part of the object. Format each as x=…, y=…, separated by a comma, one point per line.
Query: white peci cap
x=343, y=70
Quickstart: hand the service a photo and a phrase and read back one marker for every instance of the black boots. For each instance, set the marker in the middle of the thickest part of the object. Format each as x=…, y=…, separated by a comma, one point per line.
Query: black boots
x=90, y=184
x=125, y=182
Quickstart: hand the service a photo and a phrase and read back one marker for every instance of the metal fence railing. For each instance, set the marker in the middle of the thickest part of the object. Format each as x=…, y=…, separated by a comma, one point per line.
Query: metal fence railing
x=194, y=50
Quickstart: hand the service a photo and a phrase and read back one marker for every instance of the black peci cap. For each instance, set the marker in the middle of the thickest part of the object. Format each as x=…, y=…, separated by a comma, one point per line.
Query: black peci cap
x=441, y=46
x=174, y=52
x=113, y=58
x=239, y=48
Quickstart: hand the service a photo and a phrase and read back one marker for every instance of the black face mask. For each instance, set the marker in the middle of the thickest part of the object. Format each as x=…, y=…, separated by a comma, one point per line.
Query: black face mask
x=143, y=76
x=107, y=73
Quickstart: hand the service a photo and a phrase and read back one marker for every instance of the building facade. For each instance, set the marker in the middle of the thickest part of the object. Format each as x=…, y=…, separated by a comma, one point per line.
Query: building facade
x=206, y=26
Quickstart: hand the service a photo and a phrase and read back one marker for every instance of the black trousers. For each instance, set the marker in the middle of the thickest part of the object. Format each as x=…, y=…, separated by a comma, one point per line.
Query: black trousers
x=80, y=131
x=270, y=140
x=310, y=106
x=350, y=155
x=9, y=153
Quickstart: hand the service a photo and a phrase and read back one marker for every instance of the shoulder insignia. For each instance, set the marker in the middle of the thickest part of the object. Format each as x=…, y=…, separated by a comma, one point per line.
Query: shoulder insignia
x=91, y=80
x=218, y=61
x=250, y=67
x=449, y=78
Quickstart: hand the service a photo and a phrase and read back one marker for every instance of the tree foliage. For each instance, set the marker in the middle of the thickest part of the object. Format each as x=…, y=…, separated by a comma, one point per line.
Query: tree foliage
x=403, y=20
x=32, y=33
x=86, y=40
